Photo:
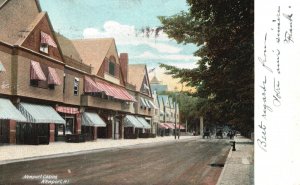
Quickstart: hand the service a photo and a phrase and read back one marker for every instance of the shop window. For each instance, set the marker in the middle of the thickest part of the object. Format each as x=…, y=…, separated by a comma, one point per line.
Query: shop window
x=76, y=86
x=60, y=130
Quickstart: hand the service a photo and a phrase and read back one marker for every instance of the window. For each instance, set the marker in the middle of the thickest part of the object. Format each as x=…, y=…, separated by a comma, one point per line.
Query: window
x=69, y=126
x=76, y=86
x=64, y=85
x=44, y=47
x=111, y=68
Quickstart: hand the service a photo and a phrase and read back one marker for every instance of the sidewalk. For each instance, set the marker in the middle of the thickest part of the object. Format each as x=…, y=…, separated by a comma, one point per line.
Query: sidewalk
x=239, y=166
x=15, y=153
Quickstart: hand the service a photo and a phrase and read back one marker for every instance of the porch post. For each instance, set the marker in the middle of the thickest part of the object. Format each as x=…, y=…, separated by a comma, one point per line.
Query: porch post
x=12, y=131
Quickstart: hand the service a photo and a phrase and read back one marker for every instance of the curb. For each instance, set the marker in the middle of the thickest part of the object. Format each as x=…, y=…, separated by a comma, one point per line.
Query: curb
x=224, y=168
x=93, y=151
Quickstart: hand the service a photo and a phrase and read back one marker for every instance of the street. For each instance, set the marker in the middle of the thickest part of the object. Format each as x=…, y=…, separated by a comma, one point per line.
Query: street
x=185, y=162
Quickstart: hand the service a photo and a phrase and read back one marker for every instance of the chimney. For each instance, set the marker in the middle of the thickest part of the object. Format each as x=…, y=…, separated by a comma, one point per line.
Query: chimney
x=124, y=65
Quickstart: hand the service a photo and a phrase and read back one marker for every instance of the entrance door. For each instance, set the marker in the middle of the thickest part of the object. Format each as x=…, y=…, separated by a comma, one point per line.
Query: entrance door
x=4, y=129
x=70, y=129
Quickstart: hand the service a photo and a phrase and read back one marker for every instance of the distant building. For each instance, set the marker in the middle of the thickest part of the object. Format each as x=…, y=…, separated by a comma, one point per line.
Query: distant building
x=157, y=86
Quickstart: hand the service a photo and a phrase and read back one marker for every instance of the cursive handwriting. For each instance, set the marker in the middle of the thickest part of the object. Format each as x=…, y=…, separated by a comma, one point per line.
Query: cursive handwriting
x=277, y=96
x=264, y=60
x=278, y=25
x=288, y=36
x=262, y=142
x=264, y=95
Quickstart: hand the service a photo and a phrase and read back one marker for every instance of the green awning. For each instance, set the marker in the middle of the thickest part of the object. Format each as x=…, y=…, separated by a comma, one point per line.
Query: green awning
x=131, y=121
x=9, y=112
x=143, y=122
x=40, y=114
x=92, y=119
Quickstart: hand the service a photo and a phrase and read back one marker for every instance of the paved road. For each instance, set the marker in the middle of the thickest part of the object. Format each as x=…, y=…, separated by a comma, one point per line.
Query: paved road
x=186, y=162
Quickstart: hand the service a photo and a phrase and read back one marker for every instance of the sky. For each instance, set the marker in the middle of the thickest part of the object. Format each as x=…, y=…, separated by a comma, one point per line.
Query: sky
x=123, y=20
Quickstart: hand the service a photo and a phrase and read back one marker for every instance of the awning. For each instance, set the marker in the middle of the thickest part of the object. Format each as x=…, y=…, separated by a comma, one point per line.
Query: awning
x=143, y=122
x=9, y=112
x=114, y=91
x=143, y=103
x=40, y=114
x=161, y=125
x=36, y=72
x=53, y=77
x=2, y=68
x=169, y=125
x=92, y=119
x=131, y=121
x=46, y=39
x=67, y=110
x=91, y=86
x=147, y=103
x=152, y=104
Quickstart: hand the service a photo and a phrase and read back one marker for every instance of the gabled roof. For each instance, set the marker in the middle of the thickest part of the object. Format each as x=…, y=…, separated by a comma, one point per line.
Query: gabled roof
x=18, y=15
x=67, y=47
x=136, y=74
x=94, y=51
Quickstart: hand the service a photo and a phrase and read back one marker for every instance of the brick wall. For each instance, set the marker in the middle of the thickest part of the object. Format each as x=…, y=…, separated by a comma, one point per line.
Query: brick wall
x=69, y=97
x=52, y=132
x=33, y=41
x=12, y=132
x=23, y=81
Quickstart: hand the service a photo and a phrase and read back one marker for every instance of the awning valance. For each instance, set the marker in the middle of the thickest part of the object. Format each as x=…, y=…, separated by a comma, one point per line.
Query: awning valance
x=2, y=68
x=92, y=119
x=40, y=114
x=9, y=112
x=143, y=122
x=36, y=72
x=131, y=121
x=46, y=39
x=91, y=86
x=67, y=110
x=53, y=77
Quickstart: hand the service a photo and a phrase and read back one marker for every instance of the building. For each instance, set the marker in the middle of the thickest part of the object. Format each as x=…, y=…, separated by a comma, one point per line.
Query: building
x=157, y=86
x=57, y=89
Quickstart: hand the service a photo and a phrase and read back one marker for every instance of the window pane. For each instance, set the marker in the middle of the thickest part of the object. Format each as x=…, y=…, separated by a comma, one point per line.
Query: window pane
x=111, y=68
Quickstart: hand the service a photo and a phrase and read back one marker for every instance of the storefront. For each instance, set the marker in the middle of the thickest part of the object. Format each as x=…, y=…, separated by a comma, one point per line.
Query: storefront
x=9, y=115
x=90, y=122
x=132, y=127
x=72, y=118
x=40, y=124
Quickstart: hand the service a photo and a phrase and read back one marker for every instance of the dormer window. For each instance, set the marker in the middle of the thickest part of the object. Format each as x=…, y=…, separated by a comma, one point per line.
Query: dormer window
x=46, y=41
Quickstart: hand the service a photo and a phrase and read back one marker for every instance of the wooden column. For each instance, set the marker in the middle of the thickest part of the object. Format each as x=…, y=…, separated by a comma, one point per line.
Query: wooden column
x=12, y=132
x=52, y=132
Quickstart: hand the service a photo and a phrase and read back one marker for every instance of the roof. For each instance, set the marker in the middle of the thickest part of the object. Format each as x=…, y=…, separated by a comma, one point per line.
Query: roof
x=67, y=47
x=93, y=51
x=18, y=15
x=154, y=80
x=136, y=74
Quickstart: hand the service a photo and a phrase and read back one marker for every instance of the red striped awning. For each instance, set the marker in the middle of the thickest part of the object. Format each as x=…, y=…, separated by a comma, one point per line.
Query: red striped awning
x=91, y=86
x=67, y=110
x=36, y=72
x=46, y=39
x=114, y=91
x=169, y=125
x=161, y=125
x=53, y=77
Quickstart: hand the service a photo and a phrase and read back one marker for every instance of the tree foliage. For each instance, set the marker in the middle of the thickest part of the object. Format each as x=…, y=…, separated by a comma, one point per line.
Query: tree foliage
x=224, y=33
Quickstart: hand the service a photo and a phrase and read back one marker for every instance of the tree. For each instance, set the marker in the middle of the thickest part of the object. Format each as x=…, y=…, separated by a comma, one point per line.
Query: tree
x=224, y=78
